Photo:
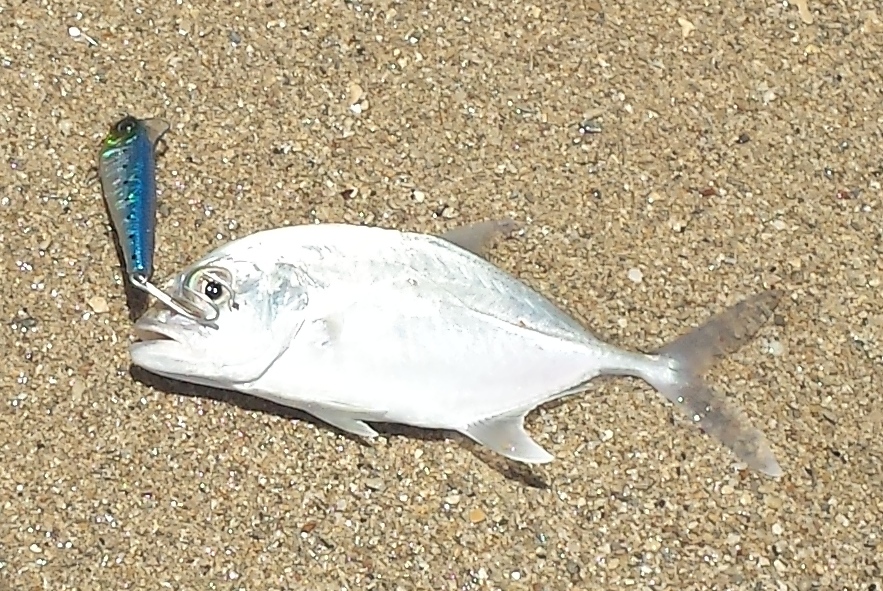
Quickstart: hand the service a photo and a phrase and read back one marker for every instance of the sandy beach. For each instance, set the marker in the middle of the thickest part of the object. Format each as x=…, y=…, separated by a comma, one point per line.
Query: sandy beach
x=664, y=161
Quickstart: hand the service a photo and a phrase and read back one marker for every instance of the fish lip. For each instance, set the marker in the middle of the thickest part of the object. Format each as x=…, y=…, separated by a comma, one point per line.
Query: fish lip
x=165, y=345
x=148, y=329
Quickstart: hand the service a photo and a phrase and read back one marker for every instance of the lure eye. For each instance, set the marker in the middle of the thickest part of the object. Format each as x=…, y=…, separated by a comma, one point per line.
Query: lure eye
x=125, y=126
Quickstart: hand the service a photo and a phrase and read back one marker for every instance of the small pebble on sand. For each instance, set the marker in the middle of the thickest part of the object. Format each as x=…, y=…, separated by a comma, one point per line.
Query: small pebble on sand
x=477, y=515
x=98, y=305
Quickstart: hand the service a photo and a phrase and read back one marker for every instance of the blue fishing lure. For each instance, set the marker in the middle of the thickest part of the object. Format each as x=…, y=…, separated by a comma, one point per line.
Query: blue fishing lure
x=127, y=169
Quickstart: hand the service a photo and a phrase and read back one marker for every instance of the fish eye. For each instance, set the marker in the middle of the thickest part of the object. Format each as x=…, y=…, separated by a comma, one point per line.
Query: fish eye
x=213, y=290
x=212, y=285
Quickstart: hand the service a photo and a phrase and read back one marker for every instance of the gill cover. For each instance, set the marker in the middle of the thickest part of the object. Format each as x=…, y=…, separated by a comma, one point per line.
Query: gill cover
x=256, y=324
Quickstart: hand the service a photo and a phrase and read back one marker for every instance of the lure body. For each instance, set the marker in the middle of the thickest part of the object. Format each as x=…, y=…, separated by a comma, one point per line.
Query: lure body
x=127, y=168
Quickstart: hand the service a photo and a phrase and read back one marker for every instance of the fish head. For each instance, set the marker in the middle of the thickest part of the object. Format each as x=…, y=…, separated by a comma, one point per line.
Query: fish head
x=256, y=310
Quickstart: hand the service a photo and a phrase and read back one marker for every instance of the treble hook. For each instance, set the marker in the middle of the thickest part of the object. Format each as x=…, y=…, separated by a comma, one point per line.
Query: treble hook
x=142, y=283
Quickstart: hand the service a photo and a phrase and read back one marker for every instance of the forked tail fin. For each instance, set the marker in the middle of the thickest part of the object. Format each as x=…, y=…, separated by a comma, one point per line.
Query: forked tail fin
x=694, y=353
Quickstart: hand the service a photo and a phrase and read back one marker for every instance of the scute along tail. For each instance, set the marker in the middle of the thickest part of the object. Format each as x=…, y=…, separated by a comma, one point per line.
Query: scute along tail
x=694, y=353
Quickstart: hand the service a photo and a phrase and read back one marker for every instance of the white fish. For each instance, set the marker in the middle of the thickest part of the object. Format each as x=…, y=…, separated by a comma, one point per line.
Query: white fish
x=357, y=324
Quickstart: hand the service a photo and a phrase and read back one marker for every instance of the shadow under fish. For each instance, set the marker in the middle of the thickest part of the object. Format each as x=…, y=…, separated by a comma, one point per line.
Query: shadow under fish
x=525, y=474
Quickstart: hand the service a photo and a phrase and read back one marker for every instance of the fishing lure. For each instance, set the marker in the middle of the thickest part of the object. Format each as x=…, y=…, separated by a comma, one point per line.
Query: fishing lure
x=127, y=169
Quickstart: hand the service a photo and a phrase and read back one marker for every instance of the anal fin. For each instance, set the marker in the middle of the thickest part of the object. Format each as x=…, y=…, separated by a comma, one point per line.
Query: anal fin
x=506, y=436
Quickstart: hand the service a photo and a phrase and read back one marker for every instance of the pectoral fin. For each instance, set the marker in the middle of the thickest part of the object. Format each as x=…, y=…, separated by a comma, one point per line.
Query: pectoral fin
x=506, y=436
x=343, y=422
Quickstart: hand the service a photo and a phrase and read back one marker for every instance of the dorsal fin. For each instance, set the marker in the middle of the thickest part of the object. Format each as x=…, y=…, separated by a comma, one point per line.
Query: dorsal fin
x=476, y=238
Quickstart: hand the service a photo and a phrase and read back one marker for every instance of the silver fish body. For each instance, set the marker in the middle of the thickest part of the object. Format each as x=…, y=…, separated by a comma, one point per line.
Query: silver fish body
x=355, y=324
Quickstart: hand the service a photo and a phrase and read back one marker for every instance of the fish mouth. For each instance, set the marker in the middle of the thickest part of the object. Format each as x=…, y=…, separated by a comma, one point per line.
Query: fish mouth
x=149, y=329
x=165, y=346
